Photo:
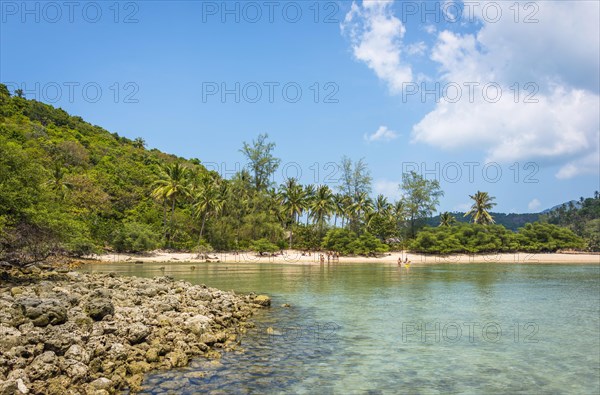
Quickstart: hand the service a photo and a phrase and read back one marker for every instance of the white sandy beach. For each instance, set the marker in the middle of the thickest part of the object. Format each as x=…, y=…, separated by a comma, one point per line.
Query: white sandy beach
x=296, y=257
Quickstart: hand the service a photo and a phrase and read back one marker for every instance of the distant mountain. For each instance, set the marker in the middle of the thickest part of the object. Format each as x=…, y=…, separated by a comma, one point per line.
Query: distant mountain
x=576, y=203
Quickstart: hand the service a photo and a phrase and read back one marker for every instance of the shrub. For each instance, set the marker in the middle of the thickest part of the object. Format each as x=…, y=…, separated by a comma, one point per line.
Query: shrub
x=543, y=237
x=135, y=237
x=347, y=243
x=263, y=245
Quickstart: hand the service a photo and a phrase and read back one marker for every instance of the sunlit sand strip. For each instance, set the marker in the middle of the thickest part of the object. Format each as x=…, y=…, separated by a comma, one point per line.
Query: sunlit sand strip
x=297, y=257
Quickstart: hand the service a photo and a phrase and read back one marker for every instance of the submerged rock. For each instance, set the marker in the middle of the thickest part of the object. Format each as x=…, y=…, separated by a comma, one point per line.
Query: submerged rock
x=262, y=300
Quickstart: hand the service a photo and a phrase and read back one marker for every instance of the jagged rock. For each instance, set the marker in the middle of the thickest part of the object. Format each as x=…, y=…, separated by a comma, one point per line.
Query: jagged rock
x=198, y=324
x=78, y=333
x=22, y=387
x=137, y=333
x=43, y=312
x=99, y=308
x=78, y=353
x=43, y=367
x=152, y=355
x=8, y=387
x=101, y=383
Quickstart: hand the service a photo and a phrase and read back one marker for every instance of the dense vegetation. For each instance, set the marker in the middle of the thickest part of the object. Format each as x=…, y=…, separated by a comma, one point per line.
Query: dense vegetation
x=476, y=238
x=73, y=188
x=582, y=217
x=511, y=221
x=70, y=187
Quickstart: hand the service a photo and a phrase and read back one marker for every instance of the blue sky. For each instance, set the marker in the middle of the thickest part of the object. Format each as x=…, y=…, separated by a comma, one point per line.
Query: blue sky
x=520, y=82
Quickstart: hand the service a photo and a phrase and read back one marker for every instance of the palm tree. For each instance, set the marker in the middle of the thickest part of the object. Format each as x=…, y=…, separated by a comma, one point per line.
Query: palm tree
x=275, y=206
x=322, y=205
x=362, y=206
x=338, y=201
x=58, y=183
x=399, y=214
x=139, y=142
x=382, y=206
x=294, y=201
x=173, y=184
x=309, y=194
x=447, y=219
x=346, y=209
x=480, y=209
x=293, y=198
x=205, y=200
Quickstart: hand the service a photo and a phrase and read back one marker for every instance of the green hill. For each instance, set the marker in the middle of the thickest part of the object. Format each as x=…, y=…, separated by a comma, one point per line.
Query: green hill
x=71, y=186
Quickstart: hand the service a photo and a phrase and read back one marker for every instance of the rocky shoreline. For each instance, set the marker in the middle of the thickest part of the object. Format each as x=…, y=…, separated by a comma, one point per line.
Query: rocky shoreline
x=76, y=333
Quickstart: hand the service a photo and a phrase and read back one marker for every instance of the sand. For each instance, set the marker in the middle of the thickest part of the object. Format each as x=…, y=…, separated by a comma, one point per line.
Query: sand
x=296, y=257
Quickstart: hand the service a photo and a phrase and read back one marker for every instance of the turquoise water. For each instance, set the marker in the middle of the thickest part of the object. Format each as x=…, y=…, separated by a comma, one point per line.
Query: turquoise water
x=379, y=329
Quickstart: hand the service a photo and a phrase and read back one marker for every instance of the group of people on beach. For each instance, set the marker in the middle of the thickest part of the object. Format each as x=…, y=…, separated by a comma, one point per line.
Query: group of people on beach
x=331, y=257
x=405, y=263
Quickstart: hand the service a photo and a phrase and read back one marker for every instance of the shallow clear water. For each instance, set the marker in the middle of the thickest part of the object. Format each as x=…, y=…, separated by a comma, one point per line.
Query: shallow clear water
x=379, y=329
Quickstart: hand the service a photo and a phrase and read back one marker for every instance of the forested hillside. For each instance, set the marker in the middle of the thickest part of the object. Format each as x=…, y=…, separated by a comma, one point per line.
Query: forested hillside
x=68, y=185
x=582, y=217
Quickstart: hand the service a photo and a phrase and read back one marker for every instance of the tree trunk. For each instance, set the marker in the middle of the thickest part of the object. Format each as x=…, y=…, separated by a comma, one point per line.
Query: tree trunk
x=202, y=227
x=172, y=218
x=292, y=229
x=165, y=217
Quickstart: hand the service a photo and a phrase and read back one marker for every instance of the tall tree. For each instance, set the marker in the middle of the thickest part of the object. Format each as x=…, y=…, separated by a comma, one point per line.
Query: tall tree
x=420, y=198
x=293, y=202
x=382, y=206
x=171, y=186
x=479, y=212
x=356, y=184
x=356, y=177
x=208, y=199
x=338, y=201
x=360, y=211
x=322, y=206
x=309, y=195
x=261, y=161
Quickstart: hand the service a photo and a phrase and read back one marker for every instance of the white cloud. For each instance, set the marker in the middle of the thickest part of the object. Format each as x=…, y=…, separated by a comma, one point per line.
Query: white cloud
x=430, y=29
x=534, y=205
x=391, y=189
x=381, y=134
x=588, y=164
x=376, y=38
x=416, y=49
x=561, y=62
